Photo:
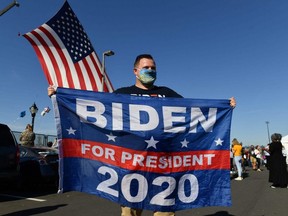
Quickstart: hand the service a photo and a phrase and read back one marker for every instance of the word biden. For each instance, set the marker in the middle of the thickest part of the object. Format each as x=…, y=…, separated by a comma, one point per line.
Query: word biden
x=140, y=117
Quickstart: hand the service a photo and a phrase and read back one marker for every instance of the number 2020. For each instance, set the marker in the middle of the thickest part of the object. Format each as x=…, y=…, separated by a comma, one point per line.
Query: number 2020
x=158, y=199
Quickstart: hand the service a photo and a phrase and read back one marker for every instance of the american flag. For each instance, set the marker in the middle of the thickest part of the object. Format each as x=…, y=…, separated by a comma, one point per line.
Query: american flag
x=66, y=53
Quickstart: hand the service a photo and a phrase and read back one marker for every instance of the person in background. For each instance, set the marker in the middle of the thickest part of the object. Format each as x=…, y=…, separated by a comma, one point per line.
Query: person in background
x=284, y=152
x=237, y=151
x=49, y=144
x=244, y=158
x=258, y=155
x=253, y=157
x=267, y=156
x=248, y=154
x=27, y=137
x=55, y=143
x=145, y=76
x=278, y=174
x=232, y=170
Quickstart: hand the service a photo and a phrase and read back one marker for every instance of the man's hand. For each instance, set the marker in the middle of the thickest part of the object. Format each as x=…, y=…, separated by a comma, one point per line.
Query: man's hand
x=51, y=90
x=232, y=102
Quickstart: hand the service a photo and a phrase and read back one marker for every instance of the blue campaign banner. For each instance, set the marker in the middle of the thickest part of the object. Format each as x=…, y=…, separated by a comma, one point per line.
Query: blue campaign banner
x=160, y=154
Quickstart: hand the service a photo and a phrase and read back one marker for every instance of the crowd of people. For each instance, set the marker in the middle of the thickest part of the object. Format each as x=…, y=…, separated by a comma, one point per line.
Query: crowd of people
x=272, y=157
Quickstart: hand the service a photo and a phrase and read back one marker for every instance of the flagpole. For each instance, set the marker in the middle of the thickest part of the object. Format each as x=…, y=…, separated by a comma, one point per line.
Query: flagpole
x=106, y=53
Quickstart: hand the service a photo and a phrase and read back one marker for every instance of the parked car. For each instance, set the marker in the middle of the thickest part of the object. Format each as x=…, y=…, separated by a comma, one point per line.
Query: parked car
x=9, y=155
x=38, y=165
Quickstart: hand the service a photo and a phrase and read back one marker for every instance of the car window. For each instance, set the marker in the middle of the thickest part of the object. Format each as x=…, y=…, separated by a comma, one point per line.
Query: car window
x=6, y=138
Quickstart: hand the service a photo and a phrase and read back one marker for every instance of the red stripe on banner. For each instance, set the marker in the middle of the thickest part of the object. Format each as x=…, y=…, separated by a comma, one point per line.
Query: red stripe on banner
x=158, y=162
x=62, y=56
x=50, y=56
x=41, y=59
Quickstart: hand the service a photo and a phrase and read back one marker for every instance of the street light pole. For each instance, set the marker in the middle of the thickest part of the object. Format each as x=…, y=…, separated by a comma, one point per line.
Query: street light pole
x=267, y=122
x=11, y=5
x=33, y=111
x=106, y=53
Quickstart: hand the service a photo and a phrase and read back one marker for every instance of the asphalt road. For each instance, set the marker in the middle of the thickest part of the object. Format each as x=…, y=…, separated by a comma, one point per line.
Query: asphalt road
x=250, y=197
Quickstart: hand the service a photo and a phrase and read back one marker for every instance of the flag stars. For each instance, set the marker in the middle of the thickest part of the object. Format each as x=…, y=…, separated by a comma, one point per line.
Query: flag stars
x=71, y=131
x=67, y=26
x=184, y=143
x=111, y=137
x=151, y=143
x=218, y=142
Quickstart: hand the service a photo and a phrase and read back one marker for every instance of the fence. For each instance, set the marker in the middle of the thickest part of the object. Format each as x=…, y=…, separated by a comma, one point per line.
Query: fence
x=40, y=139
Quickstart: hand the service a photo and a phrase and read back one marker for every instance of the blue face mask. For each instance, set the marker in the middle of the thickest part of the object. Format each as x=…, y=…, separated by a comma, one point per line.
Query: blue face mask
x=147, y=76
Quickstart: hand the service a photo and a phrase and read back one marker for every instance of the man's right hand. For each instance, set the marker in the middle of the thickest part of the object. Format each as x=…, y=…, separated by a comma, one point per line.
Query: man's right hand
x=51, y=90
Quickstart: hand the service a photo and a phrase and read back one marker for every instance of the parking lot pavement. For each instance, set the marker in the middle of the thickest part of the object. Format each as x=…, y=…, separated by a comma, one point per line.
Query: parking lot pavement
x=250, y=197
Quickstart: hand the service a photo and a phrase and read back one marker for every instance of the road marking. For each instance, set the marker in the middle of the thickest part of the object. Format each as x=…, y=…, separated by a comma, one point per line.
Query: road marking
x=19, y=197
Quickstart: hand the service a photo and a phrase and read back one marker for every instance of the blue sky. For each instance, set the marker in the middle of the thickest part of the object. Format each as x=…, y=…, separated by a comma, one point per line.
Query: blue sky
x=203, y=49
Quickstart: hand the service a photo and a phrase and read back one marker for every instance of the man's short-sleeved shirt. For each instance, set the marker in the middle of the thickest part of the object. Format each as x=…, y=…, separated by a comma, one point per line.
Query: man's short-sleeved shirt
x=156, y=91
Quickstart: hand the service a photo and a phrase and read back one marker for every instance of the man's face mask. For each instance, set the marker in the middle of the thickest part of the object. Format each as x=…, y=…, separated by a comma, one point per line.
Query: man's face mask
x=147, y=76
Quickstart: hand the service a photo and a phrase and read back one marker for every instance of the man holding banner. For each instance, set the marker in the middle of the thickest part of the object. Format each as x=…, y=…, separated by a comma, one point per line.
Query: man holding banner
x=145, y=72
x=191, y=159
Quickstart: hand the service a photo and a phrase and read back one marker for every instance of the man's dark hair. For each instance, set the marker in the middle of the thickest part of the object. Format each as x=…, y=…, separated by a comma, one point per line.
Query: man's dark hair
x=139, y=57
x=276, y=137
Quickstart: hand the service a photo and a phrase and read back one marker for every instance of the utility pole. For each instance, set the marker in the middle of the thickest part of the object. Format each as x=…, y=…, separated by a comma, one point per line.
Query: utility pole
x=11, y=5
x=267, y=122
